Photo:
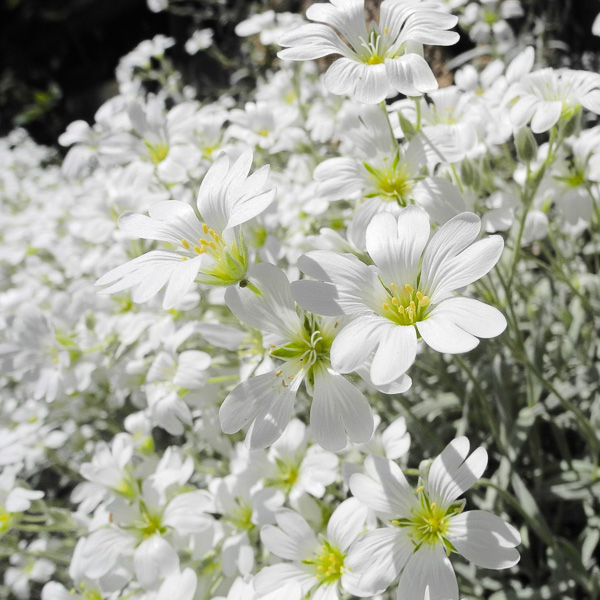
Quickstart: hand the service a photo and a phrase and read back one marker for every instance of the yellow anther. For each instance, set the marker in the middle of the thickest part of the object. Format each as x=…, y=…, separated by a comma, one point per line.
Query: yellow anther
x=199, y=250
x=420, y=296
x=386, y=30
x=425, y=300
x=213, y=234
x=395, y=301
x=185, y=244
x=409, y=288
x=184, y=258
x=401, y=309
x=212, y=245
x=278, y=373
x=205, y=228
x=393, y=286
x=204, y=242
x=420, y=489
x=386, y=306
x=412, y=305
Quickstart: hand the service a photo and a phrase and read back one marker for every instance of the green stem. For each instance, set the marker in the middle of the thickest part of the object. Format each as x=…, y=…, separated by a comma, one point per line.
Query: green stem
x=419, y=115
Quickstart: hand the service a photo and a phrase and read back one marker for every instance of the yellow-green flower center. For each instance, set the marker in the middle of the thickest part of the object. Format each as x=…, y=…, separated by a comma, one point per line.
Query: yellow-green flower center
x=157, y=152
x=429, y=523
x=86, y=594
x=229, y=261
x=286, y=477
x=5, y=519
x=574, y=179
x=490, y=17
x=405, y=305
x=392, y=182
x=241, y=516
x=328, y=564
x=126, y=488
x=151, y=526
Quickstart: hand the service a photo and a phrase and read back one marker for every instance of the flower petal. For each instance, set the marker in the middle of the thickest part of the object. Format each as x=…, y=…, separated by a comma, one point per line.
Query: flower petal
x=337, y=407
x=395, y=355
x=384, y=488
x=346, y=523
x=377, y=558
x=452, y=473
x=485, y=539
x=429, y=569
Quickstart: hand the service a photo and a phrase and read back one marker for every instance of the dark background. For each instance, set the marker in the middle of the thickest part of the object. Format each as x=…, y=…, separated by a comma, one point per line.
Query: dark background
x=57, y=57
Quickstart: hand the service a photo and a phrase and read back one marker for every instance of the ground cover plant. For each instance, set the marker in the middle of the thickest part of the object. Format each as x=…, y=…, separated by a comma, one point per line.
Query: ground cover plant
x=330, y=333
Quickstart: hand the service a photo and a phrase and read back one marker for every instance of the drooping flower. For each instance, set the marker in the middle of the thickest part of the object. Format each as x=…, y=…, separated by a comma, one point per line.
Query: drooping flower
x=386, y=56
x=211, y=252
x=407, y=295
x=425, y=526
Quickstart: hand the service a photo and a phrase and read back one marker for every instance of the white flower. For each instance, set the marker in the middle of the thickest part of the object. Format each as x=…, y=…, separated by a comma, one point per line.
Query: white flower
x=201, y=40
x=302, y=342
x=317, y=564
x=548, y=96
x=384, y=176
x=409, y=292
x=266, y=125
x=596, y=25
x=269, y=24
x=297, y=468
x=488, y=19
x=424, y=526
x=25, y=568
x=167, y=377
x=13, y=500
x=243, y=505
x=214, y=248
x=388, y=55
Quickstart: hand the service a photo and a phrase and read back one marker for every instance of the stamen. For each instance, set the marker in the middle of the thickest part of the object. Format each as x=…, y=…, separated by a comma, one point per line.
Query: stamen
x=205, y=228
x=185, y=244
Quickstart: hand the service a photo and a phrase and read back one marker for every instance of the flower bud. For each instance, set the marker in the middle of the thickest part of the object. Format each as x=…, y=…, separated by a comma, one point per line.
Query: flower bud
x=572, y=124
x=469, y=174
x=407, y=127
x=527, y=147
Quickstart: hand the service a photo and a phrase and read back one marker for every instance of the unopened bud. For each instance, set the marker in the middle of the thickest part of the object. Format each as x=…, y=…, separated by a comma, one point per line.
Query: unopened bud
x=407, y=127
x=527, y=147
x=468, y=173
x=572, y=124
